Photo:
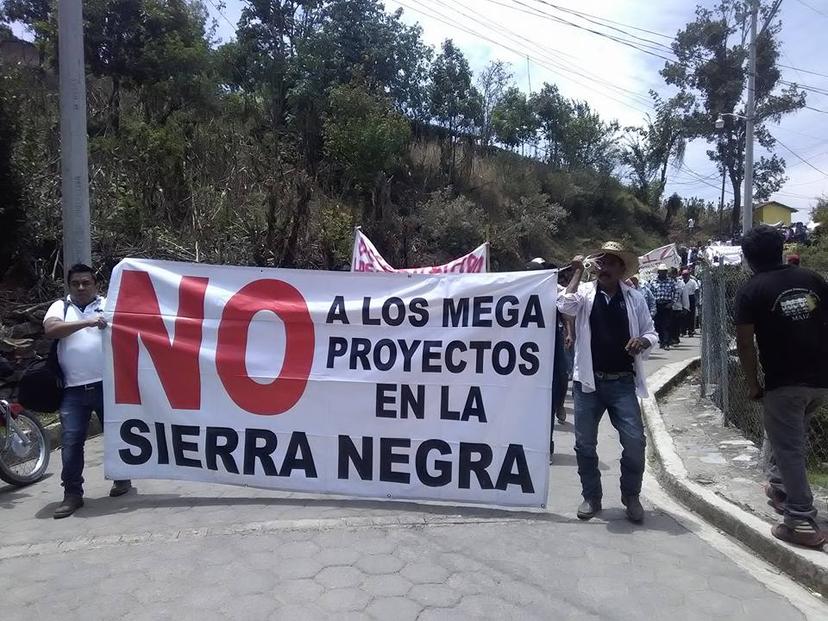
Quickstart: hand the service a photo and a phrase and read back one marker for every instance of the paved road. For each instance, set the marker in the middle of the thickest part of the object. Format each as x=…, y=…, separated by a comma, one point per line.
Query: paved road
x=197, y=551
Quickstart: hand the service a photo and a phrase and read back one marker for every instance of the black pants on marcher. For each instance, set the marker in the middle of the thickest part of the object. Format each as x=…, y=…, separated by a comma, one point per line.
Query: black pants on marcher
x=690, y=323
x=675, y=326
x=663, y=320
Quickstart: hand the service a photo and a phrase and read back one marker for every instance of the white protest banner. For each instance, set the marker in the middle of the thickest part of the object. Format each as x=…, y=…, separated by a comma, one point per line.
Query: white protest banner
x=366, y=258
x=665, y=254
x=724, y=255
x=423, y=387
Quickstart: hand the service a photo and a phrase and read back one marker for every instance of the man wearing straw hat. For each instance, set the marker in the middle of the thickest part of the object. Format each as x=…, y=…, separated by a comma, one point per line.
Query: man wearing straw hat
x=615, y=332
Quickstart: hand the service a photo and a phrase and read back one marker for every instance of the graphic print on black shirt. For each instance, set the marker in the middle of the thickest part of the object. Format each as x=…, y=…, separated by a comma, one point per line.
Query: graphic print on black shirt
x=787, y=307
x=796, y=304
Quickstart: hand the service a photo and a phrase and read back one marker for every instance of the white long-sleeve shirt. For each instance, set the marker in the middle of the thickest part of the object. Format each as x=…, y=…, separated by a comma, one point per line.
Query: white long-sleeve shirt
x=682, y=296
x=692, y=285
x=579, y=305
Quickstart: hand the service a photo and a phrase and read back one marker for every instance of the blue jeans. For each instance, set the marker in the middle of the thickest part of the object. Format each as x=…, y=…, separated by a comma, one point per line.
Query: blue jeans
x=75, y=412
x=619, y=399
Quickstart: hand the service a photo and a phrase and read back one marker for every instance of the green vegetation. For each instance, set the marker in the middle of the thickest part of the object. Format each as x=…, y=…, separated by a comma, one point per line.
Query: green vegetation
x=815, y=256
x=325, y=114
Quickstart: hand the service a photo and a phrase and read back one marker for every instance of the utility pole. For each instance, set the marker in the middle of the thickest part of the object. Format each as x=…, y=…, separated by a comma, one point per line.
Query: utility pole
x=74, y=165
x=747, y=207
x=529, y=80
x=721, y=201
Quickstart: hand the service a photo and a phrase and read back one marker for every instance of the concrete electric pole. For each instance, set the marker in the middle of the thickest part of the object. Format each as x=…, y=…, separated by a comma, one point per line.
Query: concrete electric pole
x=747, y=207
x=77, y=243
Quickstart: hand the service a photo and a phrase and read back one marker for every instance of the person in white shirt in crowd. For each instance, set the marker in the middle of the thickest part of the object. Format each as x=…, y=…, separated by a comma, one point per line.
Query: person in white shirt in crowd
x=691, y=286
x=78, y=322
x=615, y=332
x=695, y=254
x=681, y=303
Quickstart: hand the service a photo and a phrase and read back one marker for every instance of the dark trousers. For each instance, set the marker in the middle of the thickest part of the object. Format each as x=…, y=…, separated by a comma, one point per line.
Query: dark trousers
x=560, y=382
x=75, y=413
x=787, y=413
x=675, y=326
x=663, y=321
x=618, y=399
x=690, y=320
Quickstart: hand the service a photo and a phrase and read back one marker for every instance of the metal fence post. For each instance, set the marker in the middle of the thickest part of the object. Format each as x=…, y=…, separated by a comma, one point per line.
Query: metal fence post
x=724, y=348
x=707, y=326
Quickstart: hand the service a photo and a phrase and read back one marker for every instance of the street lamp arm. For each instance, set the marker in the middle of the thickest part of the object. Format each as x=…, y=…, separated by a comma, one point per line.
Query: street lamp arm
x=733, y=114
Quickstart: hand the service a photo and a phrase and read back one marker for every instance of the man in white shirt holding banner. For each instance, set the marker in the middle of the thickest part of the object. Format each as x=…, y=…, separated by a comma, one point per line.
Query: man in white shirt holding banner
x=615, y=332
x=78, y=322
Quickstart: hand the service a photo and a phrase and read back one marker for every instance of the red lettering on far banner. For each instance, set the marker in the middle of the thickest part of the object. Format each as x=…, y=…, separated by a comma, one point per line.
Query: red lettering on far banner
x=284, y=392
x=137, y=315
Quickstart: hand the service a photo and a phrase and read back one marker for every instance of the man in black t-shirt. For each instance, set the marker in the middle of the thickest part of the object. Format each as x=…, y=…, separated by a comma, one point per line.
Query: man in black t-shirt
x=786, y=308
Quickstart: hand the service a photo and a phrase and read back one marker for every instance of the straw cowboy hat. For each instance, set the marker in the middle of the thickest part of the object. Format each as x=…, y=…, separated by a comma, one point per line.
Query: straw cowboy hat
x=617, y=249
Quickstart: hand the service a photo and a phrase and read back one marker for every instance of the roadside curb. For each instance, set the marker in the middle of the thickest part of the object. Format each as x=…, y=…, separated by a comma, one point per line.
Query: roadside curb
x=808, y=567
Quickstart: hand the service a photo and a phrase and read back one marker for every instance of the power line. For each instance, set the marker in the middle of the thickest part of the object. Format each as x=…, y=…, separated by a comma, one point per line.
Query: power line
x=796, y=185
x=538, y=13
x=806, y=87
x=521, y=40
x=442, y=18
x=814, y=9
x=605, y=19
x=799, y=157
x=599, y=21
x=802, y=196
x=645, y=42
x=812, y=157
x=598, y=33
x=801, y=70
x=703, y=179
x=223, y=16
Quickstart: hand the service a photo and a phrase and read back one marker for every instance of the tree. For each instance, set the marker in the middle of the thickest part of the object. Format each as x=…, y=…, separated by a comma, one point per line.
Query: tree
x=710, y=71
x=673, y=206
x=650, y=149
x=513, y=120
x=492, y=84
x=39, y=18
x=455, y=103
x=358, y=39
x=553, y=112
x=364, y=135
x=11, y=212
x=587, y=141
x=696, y=208
x=157, y=46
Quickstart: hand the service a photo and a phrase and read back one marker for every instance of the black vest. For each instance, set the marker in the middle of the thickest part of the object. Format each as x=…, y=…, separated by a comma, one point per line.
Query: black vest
x=610, y=334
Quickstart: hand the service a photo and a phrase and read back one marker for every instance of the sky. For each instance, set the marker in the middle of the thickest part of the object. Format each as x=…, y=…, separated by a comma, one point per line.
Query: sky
x=615, y=79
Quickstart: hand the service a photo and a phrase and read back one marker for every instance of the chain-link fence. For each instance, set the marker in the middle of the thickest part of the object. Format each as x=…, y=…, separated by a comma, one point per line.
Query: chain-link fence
x=722, y=378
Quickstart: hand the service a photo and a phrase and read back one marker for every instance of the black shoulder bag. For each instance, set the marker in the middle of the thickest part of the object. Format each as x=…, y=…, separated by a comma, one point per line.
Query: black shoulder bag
x=41, y=386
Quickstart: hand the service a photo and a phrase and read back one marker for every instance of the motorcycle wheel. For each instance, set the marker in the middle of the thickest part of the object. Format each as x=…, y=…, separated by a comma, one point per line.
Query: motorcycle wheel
x=20, y=464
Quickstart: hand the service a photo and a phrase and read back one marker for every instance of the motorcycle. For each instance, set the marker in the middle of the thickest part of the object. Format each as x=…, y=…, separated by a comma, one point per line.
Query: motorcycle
x=24, y=445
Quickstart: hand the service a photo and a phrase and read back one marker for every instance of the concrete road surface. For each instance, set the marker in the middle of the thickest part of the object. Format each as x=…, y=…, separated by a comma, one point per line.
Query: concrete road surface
x=196, y=551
